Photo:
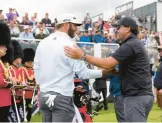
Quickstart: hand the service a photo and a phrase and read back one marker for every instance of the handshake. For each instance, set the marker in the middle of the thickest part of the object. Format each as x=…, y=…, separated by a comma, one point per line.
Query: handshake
x=110, y=71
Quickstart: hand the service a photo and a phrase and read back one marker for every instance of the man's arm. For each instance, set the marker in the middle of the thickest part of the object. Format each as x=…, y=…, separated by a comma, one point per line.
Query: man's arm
x=124, y=53
x=105, y=63
x=83, y=72
x=77, y=53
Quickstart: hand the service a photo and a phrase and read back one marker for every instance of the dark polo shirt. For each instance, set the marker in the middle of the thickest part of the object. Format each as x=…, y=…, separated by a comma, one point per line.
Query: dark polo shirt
x=134, y=67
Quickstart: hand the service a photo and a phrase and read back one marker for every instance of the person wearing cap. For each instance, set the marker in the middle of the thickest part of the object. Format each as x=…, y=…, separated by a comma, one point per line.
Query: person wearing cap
x=85, y=37
x=54, y=72
x=26, y=34
x=135, y=77
x=98, y=38
x=27, y=75
x=5, y=85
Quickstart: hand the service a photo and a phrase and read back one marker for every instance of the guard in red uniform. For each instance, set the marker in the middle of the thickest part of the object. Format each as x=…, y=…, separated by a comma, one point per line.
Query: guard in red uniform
x=5, y=85
x=15, y=73
x=28, y=77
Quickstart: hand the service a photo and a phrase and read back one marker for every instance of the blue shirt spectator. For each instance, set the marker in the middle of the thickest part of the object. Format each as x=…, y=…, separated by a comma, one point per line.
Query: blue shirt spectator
x=85, y=37
x=98, y=38
x=26, y=34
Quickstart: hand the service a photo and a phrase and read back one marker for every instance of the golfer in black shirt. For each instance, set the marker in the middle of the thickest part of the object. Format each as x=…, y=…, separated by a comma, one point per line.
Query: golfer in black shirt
x=136, y=84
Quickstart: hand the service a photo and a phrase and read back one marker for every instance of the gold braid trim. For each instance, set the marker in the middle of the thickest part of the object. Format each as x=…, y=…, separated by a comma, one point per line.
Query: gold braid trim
x=5, y=70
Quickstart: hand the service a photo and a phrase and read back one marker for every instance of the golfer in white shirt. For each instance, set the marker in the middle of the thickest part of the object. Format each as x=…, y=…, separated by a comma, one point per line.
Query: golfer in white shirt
x=54, y=72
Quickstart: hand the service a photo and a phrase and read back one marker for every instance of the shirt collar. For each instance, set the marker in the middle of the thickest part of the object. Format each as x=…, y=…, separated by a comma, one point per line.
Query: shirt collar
x=61, y=33
x=128, y=38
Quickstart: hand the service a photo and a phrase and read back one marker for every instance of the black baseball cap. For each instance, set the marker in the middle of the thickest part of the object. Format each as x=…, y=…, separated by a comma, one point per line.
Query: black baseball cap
x=126, y=21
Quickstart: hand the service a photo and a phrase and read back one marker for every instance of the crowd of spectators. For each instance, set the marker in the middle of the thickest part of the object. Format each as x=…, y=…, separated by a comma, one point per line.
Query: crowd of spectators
x=99, y=31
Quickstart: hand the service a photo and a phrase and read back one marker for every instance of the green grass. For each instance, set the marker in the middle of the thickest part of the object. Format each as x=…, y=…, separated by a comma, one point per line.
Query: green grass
x=109, y=115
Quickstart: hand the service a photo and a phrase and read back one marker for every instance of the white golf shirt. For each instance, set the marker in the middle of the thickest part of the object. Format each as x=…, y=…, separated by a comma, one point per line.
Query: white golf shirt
x=53, y=70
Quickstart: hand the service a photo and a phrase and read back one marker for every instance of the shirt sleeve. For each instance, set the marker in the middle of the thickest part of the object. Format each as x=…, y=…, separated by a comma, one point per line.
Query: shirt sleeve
x=82, y=71
x=123, y=53
x=37, y=65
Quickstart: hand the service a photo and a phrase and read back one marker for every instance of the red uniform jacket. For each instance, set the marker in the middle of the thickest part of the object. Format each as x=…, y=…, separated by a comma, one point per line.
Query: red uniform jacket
x=5, y=93
x=15, y=72
x=27, y=75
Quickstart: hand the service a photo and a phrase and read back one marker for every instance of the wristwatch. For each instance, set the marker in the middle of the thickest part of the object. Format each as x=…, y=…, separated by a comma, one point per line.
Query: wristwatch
x=84, y=56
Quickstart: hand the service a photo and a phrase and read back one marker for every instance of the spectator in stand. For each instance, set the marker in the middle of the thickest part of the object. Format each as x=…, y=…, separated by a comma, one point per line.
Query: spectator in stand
x=141, y=36
x=33, y=22
x=14, y=30
x=95, y=28
x=30, y=29
x=111, y=38
x=36, y=30
x=89, y=31
x=87, y=21
x=85, y=37
x=15, y=19
x=46, y=21
x=24, y=21
x=100, y=23
x=27, y=17
x=41, y=35
x=2, y=18
x=98, y=38
x=106, y=26
x=36, y=18
x=11, y=14
x=26, y=34
x=106, y=36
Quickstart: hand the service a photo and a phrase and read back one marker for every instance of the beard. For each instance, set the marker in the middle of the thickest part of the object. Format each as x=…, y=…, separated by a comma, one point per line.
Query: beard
x=71, y=31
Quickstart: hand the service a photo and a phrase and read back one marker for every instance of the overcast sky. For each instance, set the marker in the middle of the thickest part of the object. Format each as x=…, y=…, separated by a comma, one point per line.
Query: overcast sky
x=79, y=7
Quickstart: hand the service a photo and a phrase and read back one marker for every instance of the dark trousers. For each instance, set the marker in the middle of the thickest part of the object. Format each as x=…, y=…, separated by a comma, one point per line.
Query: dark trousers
x=4, y=112
x=62, y=111
x=104, y=93
x=28, y=109
x=119, y=108
x=19, y=106
x=137, y=108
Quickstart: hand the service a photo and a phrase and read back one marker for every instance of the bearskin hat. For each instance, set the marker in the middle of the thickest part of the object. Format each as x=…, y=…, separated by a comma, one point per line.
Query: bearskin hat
x=29, y=54
x=5, y=36
x=8, y=58
x=18, y=52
